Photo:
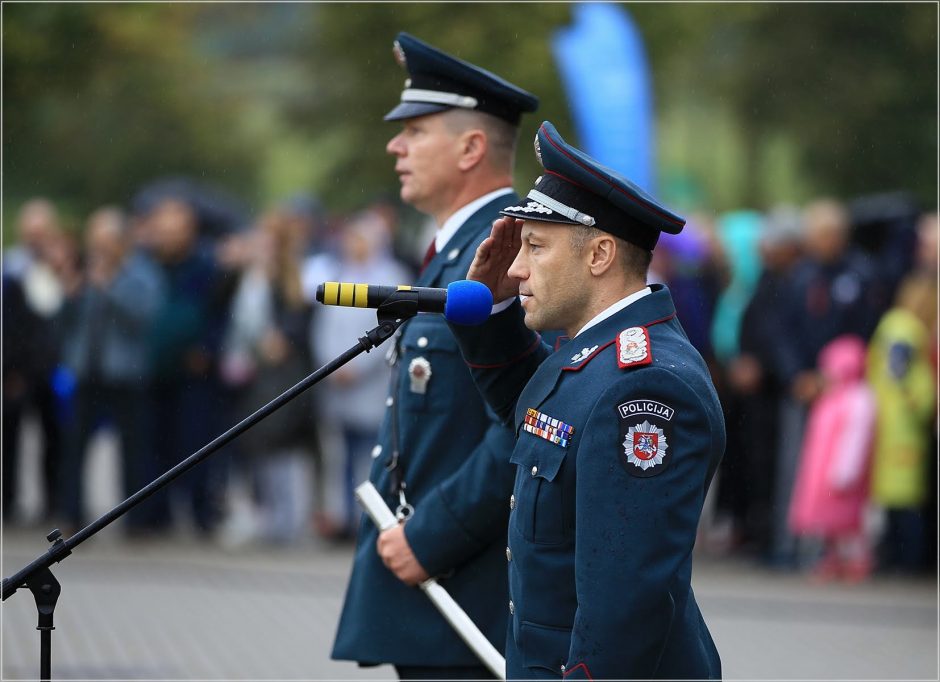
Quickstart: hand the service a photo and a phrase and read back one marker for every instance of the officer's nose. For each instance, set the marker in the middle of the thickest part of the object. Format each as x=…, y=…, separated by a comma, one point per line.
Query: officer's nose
x=396, y=146
x=519, y=268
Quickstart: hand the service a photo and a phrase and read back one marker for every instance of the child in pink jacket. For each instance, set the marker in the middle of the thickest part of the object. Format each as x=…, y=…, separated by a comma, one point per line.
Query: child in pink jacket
x=831, y=490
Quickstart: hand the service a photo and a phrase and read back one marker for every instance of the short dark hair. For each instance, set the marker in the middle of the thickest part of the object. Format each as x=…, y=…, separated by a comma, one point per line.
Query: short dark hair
x=501, y=135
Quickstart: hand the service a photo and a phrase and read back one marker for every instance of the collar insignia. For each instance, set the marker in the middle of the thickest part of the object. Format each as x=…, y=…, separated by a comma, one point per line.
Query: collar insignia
x=584, y=353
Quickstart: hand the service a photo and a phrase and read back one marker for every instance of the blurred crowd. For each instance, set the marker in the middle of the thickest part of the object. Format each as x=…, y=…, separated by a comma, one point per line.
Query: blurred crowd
x=171, y=319
x=819, y=323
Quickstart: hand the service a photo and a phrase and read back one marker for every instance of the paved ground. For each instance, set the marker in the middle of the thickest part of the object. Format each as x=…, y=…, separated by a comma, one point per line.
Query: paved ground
x=178, y=610
x=181, y=610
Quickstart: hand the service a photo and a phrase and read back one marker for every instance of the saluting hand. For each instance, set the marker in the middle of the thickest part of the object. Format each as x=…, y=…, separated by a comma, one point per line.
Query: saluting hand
x=396, y=554
x=494, y=256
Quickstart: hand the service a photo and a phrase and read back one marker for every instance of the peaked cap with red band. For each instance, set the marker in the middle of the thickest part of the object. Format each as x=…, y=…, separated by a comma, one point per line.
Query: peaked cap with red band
x=577, y=190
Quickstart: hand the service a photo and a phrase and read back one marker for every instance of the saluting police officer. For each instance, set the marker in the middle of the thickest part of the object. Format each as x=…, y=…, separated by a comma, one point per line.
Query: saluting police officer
x=618, y=432
x=442, y=459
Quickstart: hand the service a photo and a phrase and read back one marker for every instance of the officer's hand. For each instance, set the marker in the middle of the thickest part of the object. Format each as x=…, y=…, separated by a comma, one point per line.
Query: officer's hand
x=397, y=556
x=495, y=255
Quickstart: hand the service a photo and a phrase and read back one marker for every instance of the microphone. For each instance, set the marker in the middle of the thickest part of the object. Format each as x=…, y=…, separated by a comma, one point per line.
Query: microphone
x=462, y=302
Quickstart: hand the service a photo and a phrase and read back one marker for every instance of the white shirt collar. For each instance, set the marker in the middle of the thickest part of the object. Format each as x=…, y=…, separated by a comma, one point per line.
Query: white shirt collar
x=616, y=308
x=459, y=217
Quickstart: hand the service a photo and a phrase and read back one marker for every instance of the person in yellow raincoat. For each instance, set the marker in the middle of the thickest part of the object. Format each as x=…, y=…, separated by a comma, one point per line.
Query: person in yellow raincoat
x=902, y=377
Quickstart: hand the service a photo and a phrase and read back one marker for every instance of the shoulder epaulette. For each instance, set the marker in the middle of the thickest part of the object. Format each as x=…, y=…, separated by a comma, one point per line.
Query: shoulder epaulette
x=633, y=348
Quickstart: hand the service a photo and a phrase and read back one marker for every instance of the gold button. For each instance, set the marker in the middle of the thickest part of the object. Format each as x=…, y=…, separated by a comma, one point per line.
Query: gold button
x=535, y=470
x=423, y=342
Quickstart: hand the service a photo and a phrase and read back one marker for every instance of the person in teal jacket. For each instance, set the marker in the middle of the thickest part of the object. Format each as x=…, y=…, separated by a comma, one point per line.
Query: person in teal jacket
x=440, y=452
x=618, y=432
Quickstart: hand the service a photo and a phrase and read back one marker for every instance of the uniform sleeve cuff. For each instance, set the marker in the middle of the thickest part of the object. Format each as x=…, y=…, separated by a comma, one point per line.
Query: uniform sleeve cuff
x=436, y=538
x=501, y=340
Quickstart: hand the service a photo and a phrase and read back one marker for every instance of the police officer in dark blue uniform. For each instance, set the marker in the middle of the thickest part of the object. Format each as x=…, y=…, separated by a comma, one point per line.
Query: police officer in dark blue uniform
x=618, y=433
x=442, y=459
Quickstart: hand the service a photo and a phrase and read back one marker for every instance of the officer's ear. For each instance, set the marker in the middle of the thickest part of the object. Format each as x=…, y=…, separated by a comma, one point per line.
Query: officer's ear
x=473, y=148
x=603, y=253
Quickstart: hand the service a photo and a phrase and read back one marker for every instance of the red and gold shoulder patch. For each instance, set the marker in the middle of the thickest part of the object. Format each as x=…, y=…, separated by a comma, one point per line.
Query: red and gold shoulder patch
x=633, y=348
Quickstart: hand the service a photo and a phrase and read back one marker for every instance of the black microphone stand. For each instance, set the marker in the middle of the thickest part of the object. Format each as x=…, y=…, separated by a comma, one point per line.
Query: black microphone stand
x=37, y=576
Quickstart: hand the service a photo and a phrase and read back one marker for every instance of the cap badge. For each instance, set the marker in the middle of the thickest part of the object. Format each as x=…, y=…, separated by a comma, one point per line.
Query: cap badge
x=551, y=429
x=399, y=55
x=419, y=374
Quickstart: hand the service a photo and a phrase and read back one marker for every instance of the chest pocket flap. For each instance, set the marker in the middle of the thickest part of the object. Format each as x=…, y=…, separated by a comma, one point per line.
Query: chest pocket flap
x=433, y=376
x=544, y=513
x=429, y=333
x=535, y=454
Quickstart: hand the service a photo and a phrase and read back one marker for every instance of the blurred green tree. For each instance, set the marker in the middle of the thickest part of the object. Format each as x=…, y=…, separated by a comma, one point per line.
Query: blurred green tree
x=756, y=103
x=98, y=99
x=356, y=80
x=845, y=93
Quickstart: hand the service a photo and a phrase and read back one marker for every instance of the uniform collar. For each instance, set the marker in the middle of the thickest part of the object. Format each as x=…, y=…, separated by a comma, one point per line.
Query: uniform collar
x=643, y=311
x=655, y=307
x=646, y=311
x=615, y=308
x=459, y=217
x=467, y=235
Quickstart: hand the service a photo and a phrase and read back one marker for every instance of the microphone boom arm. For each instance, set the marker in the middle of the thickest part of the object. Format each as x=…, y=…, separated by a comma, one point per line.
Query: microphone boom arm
x=37, y=576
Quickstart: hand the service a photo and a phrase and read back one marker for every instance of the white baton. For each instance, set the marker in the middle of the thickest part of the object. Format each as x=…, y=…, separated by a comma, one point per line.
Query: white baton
x=383, y=517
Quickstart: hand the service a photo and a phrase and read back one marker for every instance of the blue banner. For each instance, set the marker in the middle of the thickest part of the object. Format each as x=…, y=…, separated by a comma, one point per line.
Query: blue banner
x=604, y=70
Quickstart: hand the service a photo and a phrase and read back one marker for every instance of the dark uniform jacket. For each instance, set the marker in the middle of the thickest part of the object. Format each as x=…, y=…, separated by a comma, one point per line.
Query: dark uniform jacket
x=618, y=434
x=453, y=456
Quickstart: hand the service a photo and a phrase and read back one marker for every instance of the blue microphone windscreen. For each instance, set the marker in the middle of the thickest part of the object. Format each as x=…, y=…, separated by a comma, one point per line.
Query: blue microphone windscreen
x=468, y=302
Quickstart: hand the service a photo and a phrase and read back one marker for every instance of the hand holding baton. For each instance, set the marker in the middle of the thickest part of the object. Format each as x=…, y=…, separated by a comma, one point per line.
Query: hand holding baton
x=384, y=519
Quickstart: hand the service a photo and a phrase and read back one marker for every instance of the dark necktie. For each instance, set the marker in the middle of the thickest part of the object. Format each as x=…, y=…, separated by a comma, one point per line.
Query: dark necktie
x=431, y=252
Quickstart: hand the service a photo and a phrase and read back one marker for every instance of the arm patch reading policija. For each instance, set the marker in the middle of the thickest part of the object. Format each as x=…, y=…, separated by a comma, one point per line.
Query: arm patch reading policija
x=645, y=431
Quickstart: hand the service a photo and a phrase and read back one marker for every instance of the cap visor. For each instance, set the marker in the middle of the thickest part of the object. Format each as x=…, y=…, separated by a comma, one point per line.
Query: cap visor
x=533, y=210
x=413, y=110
